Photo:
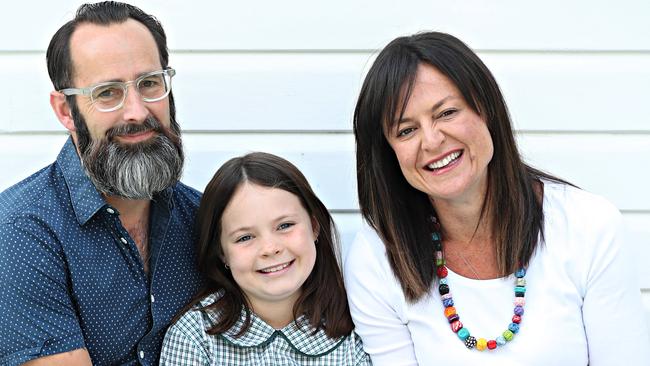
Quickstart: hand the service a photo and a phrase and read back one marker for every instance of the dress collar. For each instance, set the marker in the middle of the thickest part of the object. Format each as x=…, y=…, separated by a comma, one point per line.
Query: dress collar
x=299, y=334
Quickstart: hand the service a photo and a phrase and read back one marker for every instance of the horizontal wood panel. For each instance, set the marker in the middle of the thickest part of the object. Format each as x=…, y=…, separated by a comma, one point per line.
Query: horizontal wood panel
x=613, y=165
x=318, y=91
x=363, y=24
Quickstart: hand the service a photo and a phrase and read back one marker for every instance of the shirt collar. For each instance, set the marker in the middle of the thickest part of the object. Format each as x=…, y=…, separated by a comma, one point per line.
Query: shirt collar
x=86, y=200
x=299, y=334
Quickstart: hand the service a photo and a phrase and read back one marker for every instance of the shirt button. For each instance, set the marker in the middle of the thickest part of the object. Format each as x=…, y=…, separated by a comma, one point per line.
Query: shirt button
x=152, y=298
x=141, y=354
x=110, y=210
x=124, y=241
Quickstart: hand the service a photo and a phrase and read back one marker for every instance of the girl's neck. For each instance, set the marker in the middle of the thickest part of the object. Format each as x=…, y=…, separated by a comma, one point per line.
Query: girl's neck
x=277, y=314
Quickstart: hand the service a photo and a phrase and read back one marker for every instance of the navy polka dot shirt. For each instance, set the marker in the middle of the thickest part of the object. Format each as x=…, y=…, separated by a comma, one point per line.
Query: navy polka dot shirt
x=71, y=276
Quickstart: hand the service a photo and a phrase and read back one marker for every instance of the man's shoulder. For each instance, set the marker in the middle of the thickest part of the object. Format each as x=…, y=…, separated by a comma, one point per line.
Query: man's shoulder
x=29, y=193
x=186, y=195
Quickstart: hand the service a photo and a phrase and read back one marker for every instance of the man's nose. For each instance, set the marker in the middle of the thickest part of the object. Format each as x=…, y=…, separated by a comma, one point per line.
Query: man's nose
x=134, y=108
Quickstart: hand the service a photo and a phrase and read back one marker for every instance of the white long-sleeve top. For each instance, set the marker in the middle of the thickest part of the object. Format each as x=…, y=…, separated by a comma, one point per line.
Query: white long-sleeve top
x=583, y=304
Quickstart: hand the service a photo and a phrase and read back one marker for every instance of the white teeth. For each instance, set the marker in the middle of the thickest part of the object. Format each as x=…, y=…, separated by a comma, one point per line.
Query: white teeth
x=444, y=161
x=276, y=268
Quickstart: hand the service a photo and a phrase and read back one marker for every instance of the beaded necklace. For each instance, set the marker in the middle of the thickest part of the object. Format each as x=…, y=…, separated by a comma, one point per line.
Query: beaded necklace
x=454, y=319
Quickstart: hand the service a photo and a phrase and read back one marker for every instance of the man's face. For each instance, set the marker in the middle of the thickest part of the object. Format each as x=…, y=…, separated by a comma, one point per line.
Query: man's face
x=134, y=151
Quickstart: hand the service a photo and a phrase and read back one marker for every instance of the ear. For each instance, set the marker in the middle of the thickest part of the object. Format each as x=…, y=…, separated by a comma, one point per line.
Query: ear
x=62, y=110
x=315, y=227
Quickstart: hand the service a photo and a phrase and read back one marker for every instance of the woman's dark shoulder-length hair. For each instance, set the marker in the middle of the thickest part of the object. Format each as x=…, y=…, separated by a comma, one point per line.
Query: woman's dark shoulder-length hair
x=323, y=300
x=401, y=214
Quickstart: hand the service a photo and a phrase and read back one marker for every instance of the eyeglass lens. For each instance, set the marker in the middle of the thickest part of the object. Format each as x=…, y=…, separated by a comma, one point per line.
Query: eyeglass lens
x=151, y=88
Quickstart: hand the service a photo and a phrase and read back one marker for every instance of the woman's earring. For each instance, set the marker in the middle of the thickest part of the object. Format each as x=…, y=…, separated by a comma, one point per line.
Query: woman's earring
x=227, y=266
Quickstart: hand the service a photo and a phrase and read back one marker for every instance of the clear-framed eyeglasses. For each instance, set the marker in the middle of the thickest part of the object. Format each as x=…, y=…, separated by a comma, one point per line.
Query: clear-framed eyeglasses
x=110, y=96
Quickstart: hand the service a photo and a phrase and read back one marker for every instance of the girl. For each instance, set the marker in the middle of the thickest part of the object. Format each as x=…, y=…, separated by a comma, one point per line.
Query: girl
x=274, y=293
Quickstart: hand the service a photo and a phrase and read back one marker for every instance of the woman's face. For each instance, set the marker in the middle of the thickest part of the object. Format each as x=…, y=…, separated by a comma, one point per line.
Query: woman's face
x=443, y=147
x=267, y=238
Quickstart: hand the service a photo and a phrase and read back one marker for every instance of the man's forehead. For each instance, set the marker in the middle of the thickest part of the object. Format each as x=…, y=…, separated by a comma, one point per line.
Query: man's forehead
x=112, y=52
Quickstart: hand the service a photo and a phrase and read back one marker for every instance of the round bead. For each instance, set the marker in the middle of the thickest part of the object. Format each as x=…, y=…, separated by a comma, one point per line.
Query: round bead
x=492, y=344
x=519, y=310
x=443, y=281
x=520, y=301
x=520, y=282
x=521, y=272
x=435, y=236
x=519, y=288
x=513, y=327
x=448, y=302
x=442, y=271
x=444, y=289
x=440, y=262
x=453, y=318
x=456, y=326
x=508, y=335
x=501, y=341
x=439, y=255
x=446, y=296
x=470, y=342
x=481, y=344
x=463, y=333
x=450, y=311
x=516, y=319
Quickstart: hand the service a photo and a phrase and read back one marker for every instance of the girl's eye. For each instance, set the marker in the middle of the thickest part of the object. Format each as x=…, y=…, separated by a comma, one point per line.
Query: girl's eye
x=285, y=225
x=243, y=238
x=405, y=131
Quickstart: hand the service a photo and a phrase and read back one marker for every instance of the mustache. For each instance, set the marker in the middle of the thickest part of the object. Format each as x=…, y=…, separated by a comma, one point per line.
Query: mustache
x=150, y=123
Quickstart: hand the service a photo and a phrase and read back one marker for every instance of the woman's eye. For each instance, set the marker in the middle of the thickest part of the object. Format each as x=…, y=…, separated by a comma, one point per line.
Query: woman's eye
x=448, y=113
x=405, y=131
x=285, y=225
x=243, y=238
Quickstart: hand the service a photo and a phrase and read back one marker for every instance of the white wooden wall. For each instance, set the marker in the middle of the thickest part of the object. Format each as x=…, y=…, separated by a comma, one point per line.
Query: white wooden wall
x=282, y=76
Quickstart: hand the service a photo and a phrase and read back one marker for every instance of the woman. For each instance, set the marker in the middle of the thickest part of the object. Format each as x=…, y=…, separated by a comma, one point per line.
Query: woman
x=274, y=294
x=462, y=235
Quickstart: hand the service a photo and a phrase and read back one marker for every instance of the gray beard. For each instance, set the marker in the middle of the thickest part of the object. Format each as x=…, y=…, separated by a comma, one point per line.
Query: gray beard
x=132, y=171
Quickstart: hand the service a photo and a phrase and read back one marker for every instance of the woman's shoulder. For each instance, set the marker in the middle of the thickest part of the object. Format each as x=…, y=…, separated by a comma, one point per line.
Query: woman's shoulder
x=576, y=204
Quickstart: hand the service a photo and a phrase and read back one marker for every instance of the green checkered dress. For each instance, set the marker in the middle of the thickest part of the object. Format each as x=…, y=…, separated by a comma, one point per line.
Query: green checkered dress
x=187, y=343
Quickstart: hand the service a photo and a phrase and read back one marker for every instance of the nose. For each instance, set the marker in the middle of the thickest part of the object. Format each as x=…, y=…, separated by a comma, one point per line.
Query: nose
x=134, y=108
x=270, y=247
x=432, y=136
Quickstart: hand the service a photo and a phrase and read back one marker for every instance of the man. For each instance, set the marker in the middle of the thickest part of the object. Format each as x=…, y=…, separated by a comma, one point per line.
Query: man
x=97, y=253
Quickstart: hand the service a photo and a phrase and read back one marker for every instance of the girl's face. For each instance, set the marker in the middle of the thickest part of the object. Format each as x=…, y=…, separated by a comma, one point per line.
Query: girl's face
x=267, y=238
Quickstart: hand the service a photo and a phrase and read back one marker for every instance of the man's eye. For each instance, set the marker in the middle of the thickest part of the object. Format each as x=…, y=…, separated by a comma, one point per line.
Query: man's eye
x=107, y=93
x=149, y=83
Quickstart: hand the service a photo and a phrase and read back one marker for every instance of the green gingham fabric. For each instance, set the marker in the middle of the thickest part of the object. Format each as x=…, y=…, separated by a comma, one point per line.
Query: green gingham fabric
x=186, y=343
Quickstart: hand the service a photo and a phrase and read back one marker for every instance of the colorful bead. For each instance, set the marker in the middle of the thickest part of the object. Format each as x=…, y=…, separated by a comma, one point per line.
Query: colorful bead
x=440, y=262
x=481, y=344
x=470, y=342
x=520, y=282
x=492, y=344
x=520, y=301
x=519, y=310
x=450, y=310
x=456, y=326
x=448, y=302
x=513, y=327
x=435, y=236
x=516, y=319
x=463, y=333
x=444, y=289
x=453, y=318
x=439, y=255
x=501, y=341
x=517, y=288
x=508, y=335
x=521, y=272
x=442, y=271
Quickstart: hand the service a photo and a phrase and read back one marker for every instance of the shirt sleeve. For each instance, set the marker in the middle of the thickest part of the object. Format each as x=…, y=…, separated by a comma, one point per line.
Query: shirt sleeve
x=182, y=343
x=612, y=310
x=377, y=303
x=38, y=317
